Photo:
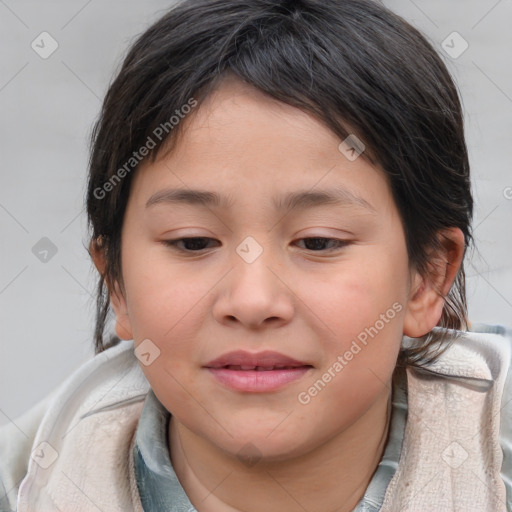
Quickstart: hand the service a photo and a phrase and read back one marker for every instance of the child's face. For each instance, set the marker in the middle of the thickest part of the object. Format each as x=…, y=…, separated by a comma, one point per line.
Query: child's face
x=307, y=300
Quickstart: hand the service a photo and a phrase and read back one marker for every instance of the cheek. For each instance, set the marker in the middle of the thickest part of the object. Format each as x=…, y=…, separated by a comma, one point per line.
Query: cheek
x=360, y=308
x=356, y=294
x=167, y=304
x=163, y=298
x=361, y=316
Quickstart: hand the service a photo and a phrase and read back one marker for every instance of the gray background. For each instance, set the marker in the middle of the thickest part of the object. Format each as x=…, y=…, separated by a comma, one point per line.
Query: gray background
x=47, y=110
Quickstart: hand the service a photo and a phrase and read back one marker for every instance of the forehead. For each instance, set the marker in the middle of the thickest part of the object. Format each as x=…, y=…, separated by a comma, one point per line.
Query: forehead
x=236, y=113
x=241, y=139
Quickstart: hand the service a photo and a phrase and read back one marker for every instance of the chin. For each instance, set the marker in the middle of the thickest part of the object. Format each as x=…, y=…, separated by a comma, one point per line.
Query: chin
x=258, y=448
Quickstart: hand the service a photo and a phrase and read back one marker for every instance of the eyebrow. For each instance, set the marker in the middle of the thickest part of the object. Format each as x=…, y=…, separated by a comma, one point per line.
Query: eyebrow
x=337, y=196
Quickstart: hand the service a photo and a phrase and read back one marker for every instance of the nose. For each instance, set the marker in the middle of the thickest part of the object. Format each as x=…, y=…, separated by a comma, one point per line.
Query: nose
x=254, y=295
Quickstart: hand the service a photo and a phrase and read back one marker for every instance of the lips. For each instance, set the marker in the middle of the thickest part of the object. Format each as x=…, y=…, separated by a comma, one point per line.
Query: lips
x=261, y=361
x=256, y=368
x=256, y=373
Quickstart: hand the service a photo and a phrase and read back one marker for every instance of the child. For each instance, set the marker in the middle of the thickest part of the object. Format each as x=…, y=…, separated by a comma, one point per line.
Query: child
x=280, y=204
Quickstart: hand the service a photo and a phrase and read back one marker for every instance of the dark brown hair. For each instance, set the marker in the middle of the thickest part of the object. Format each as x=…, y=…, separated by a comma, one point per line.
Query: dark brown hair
x=348, y=63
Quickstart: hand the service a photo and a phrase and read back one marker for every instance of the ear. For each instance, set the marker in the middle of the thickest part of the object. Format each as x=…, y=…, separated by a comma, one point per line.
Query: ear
x=427, y=294
x=117, y=300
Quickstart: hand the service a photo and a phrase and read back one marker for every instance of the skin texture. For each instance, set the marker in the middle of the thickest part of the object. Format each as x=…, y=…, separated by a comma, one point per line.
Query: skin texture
x=268, y=451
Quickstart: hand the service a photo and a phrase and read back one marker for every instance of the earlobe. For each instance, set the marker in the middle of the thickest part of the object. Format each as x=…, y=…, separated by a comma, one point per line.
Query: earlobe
x=427, y=297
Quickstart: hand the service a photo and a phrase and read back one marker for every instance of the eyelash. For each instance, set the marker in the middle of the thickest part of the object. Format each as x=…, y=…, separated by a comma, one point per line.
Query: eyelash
x=174, y=243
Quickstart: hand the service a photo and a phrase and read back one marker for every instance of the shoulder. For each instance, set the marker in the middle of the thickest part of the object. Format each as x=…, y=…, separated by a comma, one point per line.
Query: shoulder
x=106, y=382
x=496, y=342
x=459, y=422
x=16, y=440
x=502, y=339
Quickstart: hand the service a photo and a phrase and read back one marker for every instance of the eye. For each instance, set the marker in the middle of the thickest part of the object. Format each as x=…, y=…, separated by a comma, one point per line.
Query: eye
x=193, y=244
x=317, y=244
x=197, y=244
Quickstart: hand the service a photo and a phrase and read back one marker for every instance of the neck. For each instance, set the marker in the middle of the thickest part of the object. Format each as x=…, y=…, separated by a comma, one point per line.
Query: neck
x=333, y=476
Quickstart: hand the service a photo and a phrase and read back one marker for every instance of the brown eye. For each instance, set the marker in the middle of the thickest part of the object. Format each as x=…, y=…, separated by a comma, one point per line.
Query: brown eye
x=193, y=244
x=319, y=243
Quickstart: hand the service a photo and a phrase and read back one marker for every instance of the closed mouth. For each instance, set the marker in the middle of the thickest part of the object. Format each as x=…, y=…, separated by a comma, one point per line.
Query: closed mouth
x=241, y=360
x=244, y=368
